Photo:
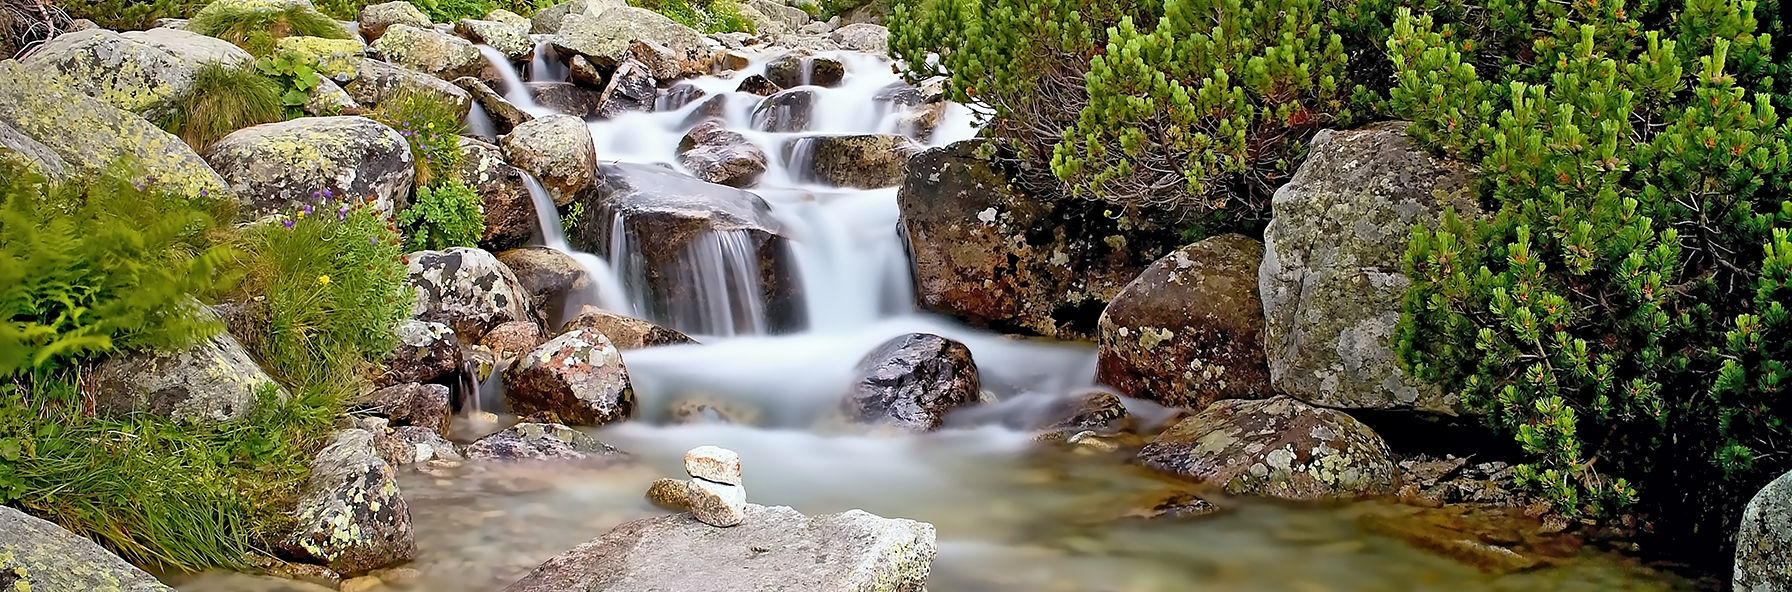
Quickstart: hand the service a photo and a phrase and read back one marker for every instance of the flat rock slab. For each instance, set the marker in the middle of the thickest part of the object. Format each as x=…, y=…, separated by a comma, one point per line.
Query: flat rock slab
x=775, y=548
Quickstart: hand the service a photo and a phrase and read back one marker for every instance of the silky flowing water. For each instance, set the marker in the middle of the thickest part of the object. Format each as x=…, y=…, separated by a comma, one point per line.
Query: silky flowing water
x=1013, y=515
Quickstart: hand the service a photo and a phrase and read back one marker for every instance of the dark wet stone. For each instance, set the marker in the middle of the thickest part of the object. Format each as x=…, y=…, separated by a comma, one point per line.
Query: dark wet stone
x=540, y=442
x=786, y=111
x=912, y=382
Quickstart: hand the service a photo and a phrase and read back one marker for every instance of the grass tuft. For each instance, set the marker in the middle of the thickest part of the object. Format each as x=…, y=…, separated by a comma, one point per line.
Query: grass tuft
x=222, y=101
x=257, y=30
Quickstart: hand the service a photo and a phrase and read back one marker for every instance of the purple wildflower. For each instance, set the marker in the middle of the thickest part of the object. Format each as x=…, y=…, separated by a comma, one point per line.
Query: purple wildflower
x=287, y=222
x=308, y=208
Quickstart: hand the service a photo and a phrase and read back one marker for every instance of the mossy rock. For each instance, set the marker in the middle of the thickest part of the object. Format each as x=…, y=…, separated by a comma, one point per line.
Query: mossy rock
x=144, y=72
x=430, y=51
x=37, y=556
x=336, y=58
x=277, y=167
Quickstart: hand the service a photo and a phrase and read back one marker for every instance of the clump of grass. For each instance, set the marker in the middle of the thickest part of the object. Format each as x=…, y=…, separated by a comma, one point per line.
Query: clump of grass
x=126, y=15
x=224, y=100
x=708, y=16
x=257, y=29
x=432, y=125
x=447, y=215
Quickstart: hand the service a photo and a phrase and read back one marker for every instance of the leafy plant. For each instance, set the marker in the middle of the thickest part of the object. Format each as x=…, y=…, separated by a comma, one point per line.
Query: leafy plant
x=448, y=11
x=431, y=124
x=256, y=28
x=223, y=100
x=708, y=16
x=448, y=215
x=295, y=74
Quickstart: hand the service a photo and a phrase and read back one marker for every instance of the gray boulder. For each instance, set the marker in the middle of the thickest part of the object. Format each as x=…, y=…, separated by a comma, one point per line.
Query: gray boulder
x=605, y=38
x=20, y=149
x=546, y=274
x=351, y=516
x=578, y=377
x=376, y=81
x=865, y=37
x=547, y=21
x=789, y=17
x=774, y=548
x=376, y=18
x=1764, y=540
x=510, y=38
x=430, y=51
x=277, y=167
x=214, y=380
x=557, y=149
x=425, y=352
x=716, y=154
x=467, y=289
x=1331, y=278
x=1278, y=447
x=912, y=382
x=36, y=555
x=144, y=72
x=868, y=161
x=541, y=442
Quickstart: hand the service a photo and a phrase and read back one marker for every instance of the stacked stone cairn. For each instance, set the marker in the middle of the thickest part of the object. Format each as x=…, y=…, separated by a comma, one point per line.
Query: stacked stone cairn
x=715, y=494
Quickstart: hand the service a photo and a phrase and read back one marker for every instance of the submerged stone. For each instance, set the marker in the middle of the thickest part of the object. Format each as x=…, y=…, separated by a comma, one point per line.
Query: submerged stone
x=1279, y=447
x=540, y=442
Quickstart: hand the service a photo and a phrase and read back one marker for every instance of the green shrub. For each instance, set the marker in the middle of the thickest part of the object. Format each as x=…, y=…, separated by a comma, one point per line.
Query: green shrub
x=432, y=125
x=223, y=100
x=257, y=29
x=448, y=215
x=295, y=75
x=128, y=15
x=1616, y=313
x=448, y=11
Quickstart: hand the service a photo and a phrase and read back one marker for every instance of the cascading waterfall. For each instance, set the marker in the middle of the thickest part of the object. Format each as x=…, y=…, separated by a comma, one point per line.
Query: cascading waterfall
x=601, y=286
x=544, y=67
x=515, y=91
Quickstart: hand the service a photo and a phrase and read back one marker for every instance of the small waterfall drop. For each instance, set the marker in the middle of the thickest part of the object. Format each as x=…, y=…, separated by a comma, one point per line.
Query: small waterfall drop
x=479, y=123
x=601, y=288
x=515, y=91
x=544, y=67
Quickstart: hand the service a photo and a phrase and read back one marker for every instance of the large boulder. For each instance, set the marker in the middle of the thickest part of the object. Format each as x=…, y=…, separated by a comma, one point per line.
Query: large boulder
x=673, y=222
x=1188, y=331
x=541, y=442
x=337, y=59
x=774, y=548
x=89, y=135
x=604, y=38
x=214, y=380
x=986, y=251
x=37, y=555
x=1278, y=447
x=144, y=72
x=510, y=38
x=18, y=149
x=874, y=12
x=1331, y=278
x=425, y=352
x=579, y=377
x=351, y=517
x=430, y=51
x=557, y=149
x=868, y=161
x=277, y=167
x=547, y=21
x=376, y=81
x=548, y=275
x=503, y=194
x=376, y=18
x=865, y=37
x=717, y=154
x=912, y=382
x=467, y=289
x=1764, y=540
x=625, y=332
x=790, y=17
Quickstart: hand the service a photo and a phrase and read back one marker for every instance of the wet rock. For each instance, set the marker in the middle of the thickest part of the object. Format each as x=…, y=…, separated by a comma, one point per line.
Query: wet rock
x=304, y=573
x=351, y=516
x=375, y=18
x=430, y=51
x=424, y=445
x=277, y=167
x=1764, y=540
x=1331, y=277
x=512, y=339
x=1426, y=481
x=624, y=331
x=631, y=89
x=567, y=98
x=376, y=81
x=711, y=410
x=505, y=116
x=798, y=69
x=665, y=214
x=854, y=550
x=212, y=381
x=661, y=62
x=1186, y=332
x=912, y=382
x=1096, y=411
x=718, y=155
x=987, y=252
x=578, y=376
x=425, y=352
x=327, y=100
x=1171, y=504
x=546, y=274
x=736, y=40
x=869, y=161
x=1277, y=447
x=503, y=194
x=605, y=38
x=669, y=494
x=713, y=463
x=918, y=110
x=679, y=95
x=758, y=84
x=584, y=73
x=509, y=38
x=412, y=404
x=557, y=149
x=38, y=555
x=88, y=134
x=863, y=37
x=467, y=289
x=786, y=111
x=540, y=442
x=337, y=59
x=716, y=504
x=144, y=72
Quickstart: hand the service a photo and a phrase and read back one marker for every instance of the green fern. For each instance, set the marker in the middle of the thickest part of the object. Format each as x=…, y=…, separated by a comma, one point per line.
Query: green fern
x=448, y=215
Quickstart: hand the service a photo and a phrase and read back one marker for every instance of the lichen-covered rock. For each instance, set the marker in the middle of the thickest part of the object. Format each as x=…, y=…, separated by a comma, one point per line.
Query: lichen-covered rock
x=467, y=289
x=214, y=380
x=669, y=494
x=509, y=38
x=337, y=59
x=144, y=72
x=18, y=149
x=412, y=404
x=39, y=556
x=376, y=81
x=351, y=516
x=716, y=154
x=376, y=18
x=631, y=89
x=1187, y=331
x=278, y=167
x=605, y=37
x=763, y=23
x=540, y=442
x=790, y=17
x=547, y=21
x=1277, y=447
x=503, y=194
x=912, y=382
x=423, y=445
x=988, y=253
x=774, y=548
x=430, y=51
x=1331, y=278
x=425, y=352
x=664, y=64
x=787, y=111
x=868, y=161
x=557, y=149
x=625, y=332
x=328, y=100
x=1764, y=540
x=512, y=339
x=578, y=376
x=800, y=69
x=89, y=135
x=546, y=274
x=865, y=37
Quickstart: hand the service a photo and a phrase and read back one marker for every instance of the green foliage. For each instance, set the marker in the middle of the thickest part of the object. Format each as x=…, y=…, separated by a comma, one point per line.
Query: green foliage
x=432, y=125
x=257, y=29
x=1616, y=312
x=223, y=100
x=708, y=16
x=100, y=265
x=448, y=11
x=449, y=215
x=129, y=15
x=295, y=74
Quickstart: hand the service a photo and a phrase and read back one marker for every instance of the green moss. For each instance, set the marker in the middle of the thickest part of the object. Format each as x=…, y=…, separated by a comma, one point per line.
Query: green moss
x=335, y=58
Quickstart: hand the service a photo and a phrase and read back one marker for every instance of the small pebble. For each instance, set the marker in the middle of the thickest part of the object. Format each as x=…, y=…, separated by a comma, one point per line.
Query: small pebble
x=669, y=494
